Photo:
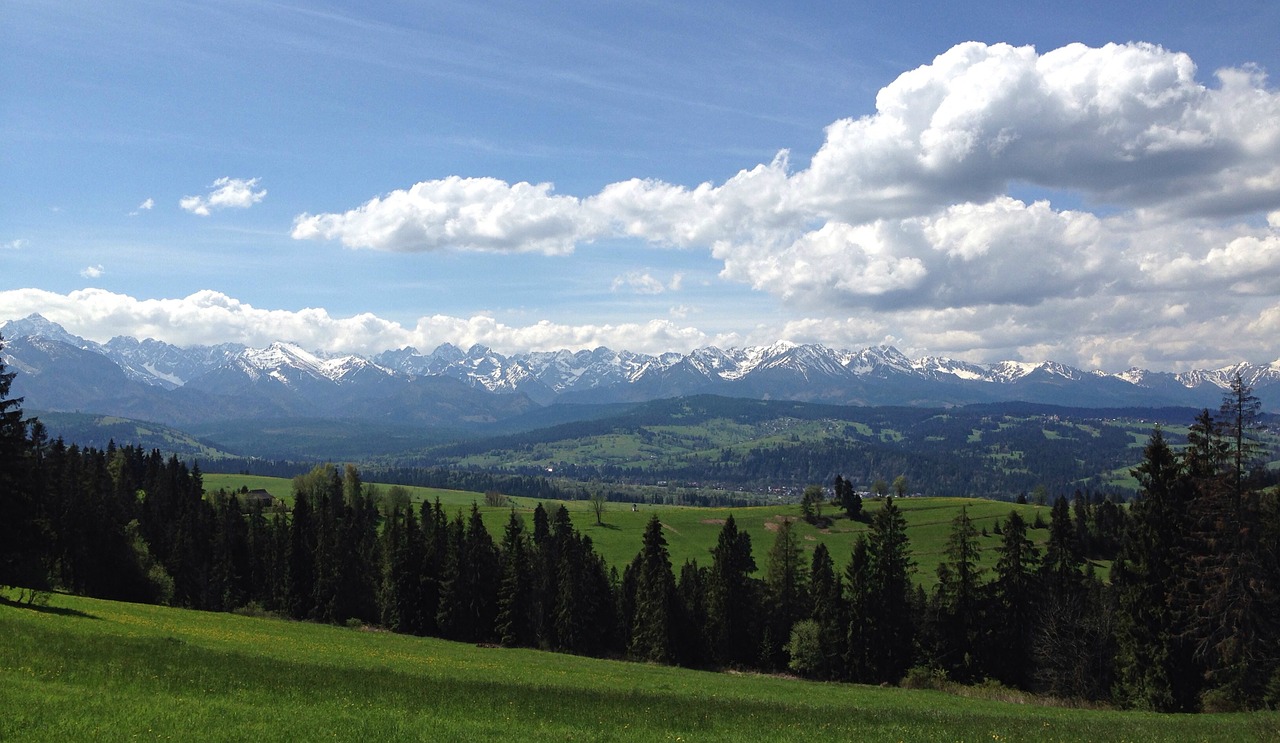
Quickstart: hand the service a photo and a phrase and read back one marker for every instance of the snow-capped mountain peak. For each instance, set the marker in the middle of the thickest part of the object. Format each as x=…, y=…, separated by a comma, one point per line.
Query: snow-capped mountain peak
x=780, y=370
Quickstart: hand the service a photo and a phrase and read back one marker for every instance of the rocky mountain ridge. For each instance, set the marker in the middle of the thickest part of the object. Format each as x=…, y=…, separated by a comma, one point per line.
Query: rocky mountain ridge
x=60, y=371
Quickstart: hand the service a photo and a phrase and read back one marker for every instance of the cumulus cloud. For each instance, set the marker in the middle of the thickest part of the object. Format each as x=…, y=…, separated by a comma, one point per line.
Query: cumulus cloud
x=210, y=317
x=92, y=272
x=918, y=188
x=17, y=244
x=145, y=206
x=225, y=193
x=483, y=214
x=1110, y=332
x=909, y=213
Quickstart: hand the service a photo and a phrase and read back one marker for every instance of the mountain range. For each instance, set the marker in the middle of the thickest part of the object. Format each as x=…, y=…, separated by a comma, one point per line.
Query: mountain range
x=470, y=389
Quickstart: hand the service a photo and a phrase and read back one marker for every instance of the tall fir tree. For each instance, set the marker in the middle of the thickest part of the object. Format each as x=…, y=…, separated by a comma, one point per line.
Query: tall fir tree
x=1016, y=602
x=651, y=626
x=1155, y=666
x=731, y=598
x=786, y=591
x=514, y=624
x=889, y=601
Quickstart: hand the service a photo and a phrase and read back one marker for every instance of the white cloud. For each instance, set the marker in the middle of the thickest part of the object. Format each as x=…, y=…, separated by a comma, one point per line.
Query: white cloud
x=17, y=244
x=1126, y=124
x=640, y=282
x=643, y=282
x=908, y=206
x=148, y=205
x=225, y=193
x=92, y=272
x=482, y=214
x=209, y=318
x=903, y=223
x=1107, y=332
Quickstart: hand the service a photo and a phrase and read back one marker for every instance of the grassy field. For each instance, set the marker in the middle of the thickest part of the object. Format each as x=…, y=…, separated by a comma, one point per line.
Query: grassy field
x=81, y=669
x=692, y=532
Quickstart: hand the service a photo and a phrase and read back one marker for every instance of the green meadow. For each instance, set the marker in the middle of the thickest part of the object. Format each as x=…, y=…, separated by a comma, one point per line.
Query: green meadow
x=83, y=669
x=692, y=532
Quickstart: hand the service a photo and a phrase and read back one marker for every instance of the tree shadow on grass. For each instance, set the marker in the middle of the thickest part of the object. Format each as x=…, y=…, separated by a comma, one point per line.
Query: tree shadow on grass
x=42, y=608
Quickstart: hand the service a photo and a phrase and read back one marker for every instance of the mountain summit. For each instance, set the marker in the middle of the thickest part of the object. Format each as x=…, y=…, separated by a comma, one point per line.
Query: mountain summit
x=156, y=380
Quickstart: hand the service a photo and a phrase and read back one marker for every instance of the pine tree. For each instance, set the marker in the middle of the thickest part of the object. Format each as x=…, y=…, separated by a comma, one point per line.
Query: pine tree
x=1155, y=666
x=848, y=498
x=1232, y=597
x=302, y=559
x=731, y=598
x=23, y=539
x=691, y=647
x=889, y=602
x=514, y=622
x=1016, y=599
x=787, y=592
x=828, y=614
x=858, y=636
x=655, y=599
x=1063, y=560
x=956, y=621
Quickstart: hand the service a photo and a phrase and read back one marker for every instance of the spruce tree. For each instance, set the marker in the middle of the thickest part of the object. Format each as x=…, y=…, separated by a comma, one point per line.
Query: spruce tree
x=956, y=622
x=1016, y=601
x=1155, y=666
x=23, y=542
x=858, y=637
x=731, y=598
x=655, y=599
x=514, y=624
x=787, y=592
x=889, y=602
x=828, y=614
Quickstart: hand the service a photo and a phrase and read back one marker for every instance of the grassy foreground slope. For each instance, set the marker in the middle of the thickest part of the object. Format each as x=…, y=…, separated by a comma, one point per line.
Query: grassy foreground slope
x=83, y=669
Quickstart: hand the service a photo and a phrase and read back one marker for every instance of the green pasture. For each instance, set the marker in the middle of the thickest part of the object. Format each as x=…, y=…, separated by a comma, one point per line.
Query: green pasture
x=83, y=669
x=691, y=532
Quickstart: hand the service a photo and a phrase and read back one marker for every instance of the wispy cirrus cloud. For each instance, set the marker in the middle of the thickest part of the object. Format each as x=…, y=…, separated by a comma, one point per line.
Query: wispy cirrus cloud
x=644, y=282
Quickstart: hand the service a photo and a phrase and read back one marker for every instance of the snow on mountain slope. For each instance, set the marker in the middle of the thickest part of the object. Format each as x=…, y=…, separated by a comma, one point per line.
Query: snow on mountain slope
x=779, y=369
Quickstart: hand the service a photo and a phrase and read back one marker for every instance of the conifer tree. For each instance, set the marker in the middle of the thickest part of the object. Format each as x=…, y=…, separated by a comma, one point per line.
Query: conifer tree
x=787, y=592
x=731, y=598
x=514, y=622
x=1232, y=597
x=956, y=612
x=828, y=614
x=1016, y=600
x=24, y=543
x=691, y=626
x=655, y=599
x=858, y=637
x=1155, y=666
x=848, y=498
x=889, y=601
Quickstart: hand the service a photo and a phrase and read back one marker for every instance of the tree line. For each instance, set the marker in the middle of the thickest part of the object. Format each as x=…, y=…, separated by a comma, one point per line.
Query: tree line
x=1187, y=622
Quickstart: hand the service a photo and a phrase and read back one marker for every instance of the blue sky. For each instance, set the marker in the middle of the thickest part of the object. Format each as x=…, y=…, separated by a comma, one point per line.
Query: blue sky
x=988, y=181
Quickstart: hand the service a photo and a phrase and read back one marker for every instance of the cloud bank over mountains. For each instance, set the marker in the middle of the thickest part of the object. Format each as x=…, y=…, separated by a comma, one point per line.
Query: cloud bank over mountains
x=918, y=214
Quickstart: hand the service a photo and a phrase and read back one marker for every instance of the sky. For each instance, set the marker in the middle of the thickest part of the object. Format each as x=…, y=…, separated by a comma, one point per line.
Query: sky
x=1095, y=183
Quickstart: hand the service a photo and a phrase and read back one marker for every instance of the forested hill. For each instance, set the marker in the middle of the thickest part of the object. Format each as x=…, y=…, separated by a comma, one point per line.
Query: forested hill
x=989, y=450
